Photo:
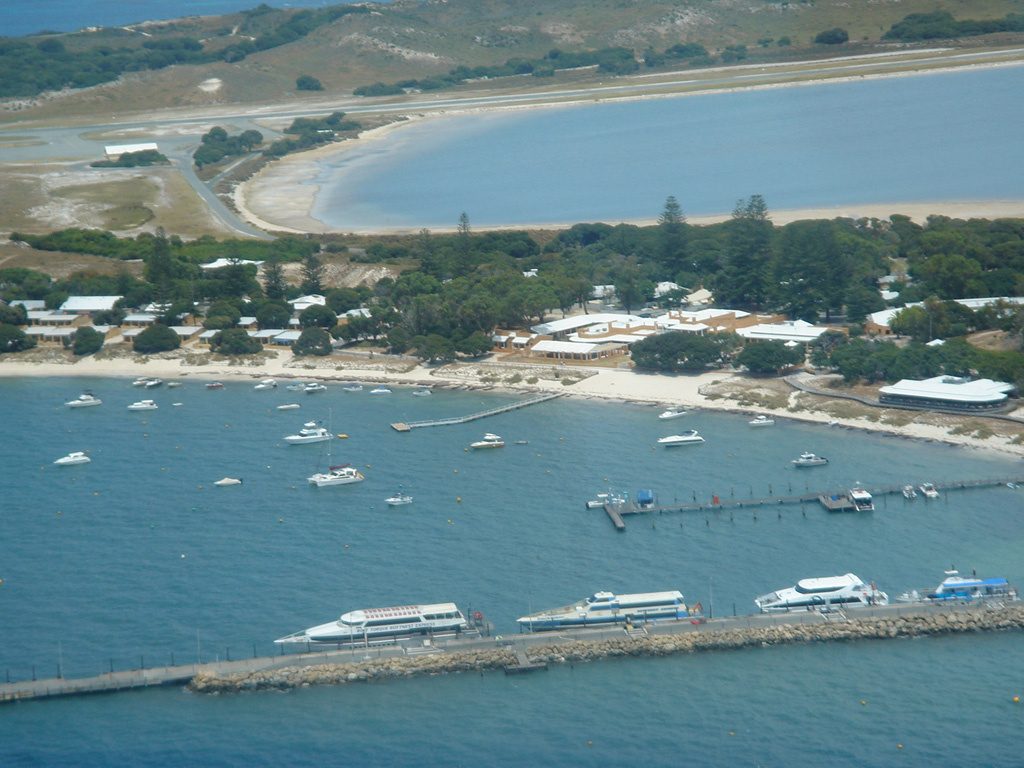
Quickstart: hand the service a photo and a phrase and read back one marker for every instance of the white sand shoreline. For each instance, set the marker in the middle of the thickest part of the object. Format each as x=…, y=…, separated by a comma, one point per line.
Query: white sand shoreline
x=616, y=385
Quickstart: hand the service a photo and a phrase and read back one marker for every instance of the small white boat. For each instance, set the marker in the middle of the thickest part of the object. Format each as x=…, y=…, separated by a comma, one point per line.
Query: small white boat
x=353, y=387
x=490, y=440
x=288, y=407
x=314, y=386
x=266, y=384
x=689, y=437
x=381, y=390
x=422, y=392
x=909, y=492
x=521, y=442
x=298, y=386
x=340, y=475
x=311, y=432
x=215, y=385
x=228, y=481
x=809, y=460
x=153, y=383
x=600, y=501
x=84, y=400
x=143, y=405
x=398, y=499
x=78, y=457
x=929, y=491
x=673, y=412
x=761, y=421
x=173, y=384
x=141, y=381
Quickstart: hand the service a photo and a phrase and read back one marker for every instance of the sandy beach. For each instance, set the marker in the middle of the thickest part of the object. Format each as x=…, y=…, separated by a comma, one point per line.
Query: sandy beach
x=713, y=390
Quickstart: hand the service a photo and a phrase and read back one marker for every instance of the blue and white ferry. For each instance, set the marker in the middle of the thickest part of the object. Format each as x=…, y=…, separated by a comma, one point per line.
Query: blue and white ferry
x=957, y=588
x=604, y=608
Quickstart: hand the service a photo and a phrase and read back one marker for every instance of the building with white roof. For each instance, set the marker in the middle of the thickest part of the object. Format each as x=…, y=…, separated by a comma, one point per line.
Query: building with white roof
x=84, y=305
x=574, y=350
x=305, y=302
x=222, y=262
x=947, y=393
x=789, y=331
x=116, y=150
x=877, y=323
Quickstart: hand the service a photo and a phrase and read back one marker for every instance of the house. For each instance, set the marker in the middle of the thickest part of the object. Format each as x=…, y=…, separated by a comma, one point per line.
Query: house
x=574, y=350
x=790, y=331
x=87, y=305
x=305, y=302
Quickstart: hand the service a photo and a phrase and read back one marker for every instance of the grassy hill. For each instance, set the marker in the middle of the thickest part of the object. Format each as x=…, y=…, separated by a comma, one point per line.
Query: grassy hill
x=410, y=39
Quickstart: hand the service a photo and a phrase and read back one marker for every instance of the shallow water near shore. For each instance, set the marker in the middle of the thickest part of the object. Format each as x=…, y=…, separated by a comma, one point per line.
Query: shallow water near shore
x=105, y=580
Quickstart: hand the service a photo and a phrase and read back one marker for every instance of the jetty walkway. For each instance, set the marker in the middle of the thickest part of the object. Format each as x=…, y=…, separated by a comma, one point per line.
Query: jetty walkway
x=406, y=426
x=529, y=651
x=827, y=499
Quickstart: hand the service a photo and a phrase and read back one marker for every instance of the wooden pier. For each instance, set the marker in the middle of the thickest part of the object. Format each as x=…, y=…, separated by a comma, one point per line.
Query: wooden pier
x=832, y=500
x=524, y=665
x=406, y=426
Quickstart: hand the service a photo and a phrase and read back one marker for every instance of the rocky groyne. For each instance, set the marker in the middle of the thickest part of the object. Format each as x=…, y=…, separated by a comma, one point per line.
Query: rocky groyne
x=706, y=638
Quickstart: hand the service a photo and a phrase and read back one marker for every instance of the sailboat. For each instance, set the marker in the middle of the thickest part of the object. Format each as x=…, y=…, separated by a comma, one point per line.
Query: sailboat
x=342, y=474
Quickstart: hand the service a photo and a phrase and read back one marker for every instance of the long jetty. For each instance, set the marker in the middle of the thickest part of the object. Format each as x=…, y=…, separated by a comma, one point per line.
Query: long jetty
x=616, y=511
x=406, y=426
x=533, y=651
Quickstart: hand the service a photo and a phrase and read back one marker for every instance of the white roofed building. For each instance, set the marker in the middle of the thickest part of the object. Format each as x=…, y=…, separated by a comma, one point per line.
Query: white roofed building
x=84, y=305
x=948, y=393
x=789, y=331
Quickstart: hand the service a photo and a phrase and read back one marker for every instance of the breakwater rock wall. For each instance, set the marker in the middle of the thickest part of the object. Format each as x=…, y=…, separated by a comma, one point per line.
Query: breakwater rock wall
x=687, y=640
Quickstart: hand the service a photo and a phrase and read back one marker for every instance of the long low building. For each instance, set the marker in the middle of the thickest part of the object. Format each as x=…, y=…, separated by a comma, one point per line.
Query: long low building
x=948, y=393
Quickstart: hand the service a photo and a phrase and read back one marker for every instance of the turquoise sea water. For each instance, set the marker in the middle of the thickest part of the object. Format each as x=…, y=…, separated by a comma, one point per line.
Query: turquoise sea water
x=935, y=137
x=104, y=581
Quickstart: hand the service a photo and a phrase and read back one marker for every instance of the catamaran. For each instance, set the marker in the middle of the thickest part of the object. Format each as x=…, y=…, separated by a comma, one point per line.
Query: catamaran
x=815, y=594
x=383, y=624
x=605, y=608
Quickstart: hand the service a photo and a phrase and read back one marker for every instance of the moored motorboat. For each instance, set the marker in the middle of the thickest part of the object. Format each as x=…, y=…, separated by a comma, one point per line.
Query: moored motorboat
x=422, y=392
x=909, y=492
x=353, y=387
x=805, y=460
x=214, y=385
x=398, y=499
x=313, y=387
x=490, y=440
x=143, y=405
x=599, y=502
x=76, y=457
x=383, y=625
x=761, y=421
x=154, y=383
x=173, y=384
x=862, y=500
x=604, y=608
x=929, y=491
x=957, y=588
x=689, y=437
x=266, y=384
x=672, y=412
x=343, y=474
x=228, y=481
x=311, y=432
x=288, y=407
x=141, y=381
x=297, y=386
x=821, y=593
x=84, y=400
x=381, y=390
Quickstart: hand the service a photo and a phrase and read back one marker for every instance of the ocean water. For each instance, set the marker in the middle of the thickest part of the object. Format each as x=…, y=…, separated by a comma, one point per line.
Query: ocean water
x=137, y=557
x=26, y=17
x=935, y=137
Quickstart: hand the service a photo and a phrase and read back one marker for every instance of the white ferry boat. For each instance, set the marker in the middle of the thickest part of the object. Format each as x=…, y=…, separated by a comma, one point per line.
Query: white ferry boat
x=815, y=594
x=311, y=432
x=383, y=624
x=605, y=608
x=963, y=589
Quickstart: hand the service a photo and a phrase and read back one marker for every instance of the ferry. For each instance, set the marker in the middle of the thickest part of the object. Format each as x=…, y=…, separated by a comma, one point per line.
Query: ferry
x=815, y=594
x=957, y=588
x=383, y=624
x=605, y=608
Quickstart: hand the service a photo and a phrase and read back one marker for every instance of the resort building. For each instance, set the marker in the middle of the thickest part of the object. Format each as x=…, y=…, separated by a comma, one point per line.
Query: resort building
x=792, y=332
x=712, y=320
x=877, y=323
x=948, y=393
x=87, y=305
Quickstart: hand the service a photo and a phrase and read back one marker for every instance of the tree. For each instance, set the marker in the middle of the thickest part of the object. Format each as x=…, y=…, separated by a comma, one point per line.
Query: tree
x=475, y=344
x=313, y=341
x=631, y=289
x=234, y=341
x=156, y=338
x=769, y=356
x=13, y=339
x=307, y=83
x=86, y=341
x=274, y=285
x=222, y=314
x=317, y=315
x=341, y=300
x=672, y=236
x=836, y=36
x=312, y=275
x=273, y=314
x=681, y=351
x=435, y=348
x=744, y=281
